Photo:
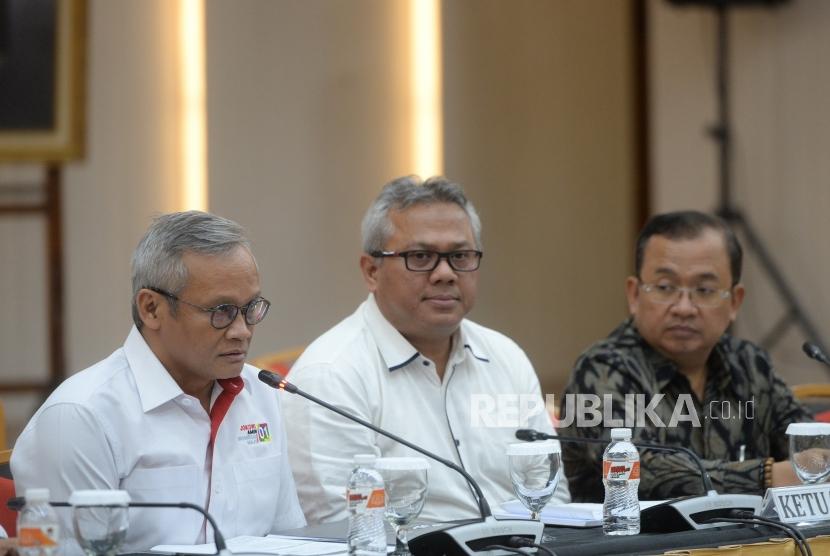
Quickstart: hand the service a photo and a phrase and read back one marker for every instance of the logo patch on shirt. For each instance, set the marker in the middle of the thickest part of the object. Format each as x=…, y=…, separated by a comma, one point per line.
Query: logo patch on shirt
x=255, y=433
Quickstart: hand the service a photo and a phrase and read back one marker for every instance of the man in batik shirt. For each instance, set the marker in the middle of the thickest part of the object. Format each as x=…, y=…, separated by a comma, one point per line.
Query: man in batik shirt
x=672, y=374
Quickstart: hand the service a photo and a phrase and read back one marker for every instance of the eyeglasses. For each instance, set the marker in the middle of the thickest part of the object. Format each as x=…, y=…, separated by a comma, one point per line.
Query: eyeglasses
x=700, y=296
x=223, y=315
x=465, y=260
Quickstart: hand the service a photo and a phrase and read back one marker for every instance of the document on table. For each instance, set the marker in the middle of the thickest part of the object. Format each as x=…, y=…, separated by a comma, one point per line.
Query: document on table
x=571, y=515
x=272, y=544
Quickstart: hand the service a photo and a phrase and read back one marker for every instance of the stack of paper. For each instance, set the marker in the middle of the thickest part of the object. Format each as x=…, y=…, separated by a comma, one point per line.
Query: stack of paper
x=574, y=515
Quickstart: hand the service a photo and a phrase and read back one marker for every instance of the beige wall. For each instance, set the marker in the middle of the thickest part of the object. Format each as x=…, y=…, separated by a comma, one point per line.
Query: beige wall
x=129, y=174
x=308, y=116
x=539, y=128
x=780, y=83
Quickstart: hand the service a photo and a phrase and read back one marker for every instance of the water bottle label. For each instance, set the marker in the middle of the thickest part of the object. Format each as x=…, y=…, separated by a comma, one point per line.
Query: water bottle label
x=44, y=535
x=620, y=470
x=366, y=499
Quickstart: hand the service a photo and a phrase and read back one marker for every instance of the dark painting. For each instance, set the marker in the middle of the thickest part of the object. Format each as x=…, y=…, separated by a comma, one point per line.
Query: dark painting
x=27, y=64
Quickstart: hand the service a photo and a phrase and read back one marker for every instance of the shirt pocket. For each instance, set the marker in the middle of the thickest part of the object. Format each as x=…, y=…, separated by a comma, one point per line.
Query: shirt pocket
x=258, y=488
x=167, y=485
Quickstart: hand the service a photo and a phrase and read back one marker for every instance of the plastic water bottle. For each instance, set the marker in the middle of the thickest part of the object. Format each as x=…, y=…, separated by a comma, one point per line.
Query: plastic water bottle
x=365, y=499
x=38, y=528
x=621, y=477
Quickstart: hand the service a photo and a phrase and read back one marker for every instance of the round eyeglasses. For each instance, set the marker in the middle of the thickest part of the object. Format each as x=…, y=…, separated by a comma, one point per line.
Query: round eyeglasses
x=699, y=296
x=421, y=260
x=223, y=315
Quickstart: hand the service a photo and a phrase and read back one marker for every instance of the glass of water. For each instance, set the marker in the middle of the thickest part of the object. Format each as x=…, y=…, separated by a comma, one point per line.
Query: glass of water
x=810, y=451
x=405, y=482
x=100, y=519
x=535, y=468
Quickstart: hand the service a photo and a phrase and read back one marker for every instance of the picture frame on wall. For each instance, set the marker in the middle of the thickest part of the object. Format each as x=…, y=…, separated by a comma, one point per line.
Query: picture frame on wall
x=42, y=77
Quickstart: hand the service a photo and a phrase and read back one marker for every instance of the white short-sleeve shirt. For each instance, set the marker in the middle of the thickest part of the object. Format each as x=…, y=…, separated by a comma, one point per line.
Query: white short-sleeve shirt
x=124, y=423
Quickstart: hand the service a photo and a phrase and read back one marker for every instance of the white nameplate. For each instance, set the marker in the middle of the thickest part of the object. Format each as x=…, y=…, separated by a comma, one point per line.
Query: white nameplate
x=799, y=504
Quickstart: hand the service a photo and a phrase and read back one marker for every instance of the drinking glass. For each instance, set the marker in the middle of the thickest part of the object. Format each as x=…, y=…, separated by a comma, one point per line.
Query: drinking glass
x=810, y=451
x=100, y=519
x=405, y=482
x=535, y=468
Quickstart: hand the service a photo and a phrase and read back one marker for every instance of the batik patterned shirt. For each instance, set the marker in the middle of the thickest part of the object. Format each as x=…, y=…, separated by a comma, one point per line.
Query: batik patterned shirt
x=744, y=413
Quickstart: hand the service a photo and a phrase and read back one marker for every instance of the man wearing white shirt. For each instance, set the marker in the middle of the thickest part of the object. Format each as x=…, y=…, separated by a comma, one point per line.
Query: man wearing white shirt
x=174, y=415
x=409, y=362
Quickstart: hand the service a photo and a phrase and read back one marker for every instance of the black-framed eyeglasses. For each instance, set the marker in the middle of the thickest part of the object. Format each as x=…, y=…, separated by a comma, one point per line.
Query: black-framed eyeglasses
x=422, y=260
x=223, y=315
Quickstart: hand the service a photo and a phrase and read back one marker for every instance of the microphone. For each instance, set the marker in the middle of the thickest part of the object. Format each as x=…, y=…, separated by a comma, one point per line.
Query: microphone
x=16, y=503
x=470, y=536
x=681, y=514
x=815, y=352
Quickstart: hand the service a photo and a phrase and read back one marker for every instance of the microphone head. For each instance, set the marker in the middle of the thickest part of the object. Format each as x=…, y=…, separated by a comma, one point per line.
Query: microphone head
x=274, y=380
x=527, y=434
x=813, y=351
x=270, y=378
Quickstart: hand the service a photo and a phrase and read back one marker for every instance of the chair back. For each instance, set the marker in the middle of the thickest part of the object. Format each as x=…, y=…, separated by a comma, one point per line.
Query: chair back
x=8, y=518
x=816, y=397
x=279, y=361
x=3, y=438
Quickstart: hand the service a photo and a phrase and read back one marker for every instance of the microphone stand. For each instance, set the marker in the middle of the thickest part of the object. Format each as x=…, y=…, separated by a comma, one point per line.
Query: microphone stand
x=468, y=537
x=681, y=514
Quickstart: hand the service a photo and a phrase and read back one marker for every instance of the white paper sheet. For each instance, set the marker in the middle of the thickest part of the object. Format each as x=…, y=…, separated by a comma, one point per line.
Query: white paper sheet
x=272, y=544
x=572, y=515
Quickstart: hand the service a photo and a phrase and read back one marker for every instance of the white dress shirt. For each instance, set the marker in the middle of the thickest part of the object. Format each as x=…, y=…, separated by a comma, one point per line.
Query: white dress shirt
x=365, y=366
x=124, y=423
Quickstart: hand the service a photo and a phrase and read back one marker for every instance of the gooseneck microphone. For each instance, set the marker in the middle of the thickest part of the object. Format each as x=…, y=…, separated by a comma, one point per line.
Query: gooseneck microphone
x=275, y=381
x=814, y=352
x=18, y=502
x=680, y=514
x=470, y=536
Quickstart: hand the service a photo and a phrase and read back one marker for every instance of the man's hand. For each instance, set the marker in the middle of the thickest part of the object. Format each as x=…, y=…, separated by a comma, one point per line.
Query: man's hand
x=783, y=474
x=8, y=547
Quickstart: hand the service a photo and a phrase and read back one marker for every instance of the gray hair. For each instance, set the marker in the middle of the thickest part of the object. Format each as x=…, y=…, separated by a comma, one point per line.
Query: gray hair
x=402, y=193
x=157, y=260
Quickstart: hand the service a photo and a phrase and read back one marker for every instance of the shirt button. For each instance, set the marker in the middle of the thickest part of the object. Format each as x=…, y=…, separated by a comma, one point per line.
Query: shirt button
x=426, y=363
x=186, y=401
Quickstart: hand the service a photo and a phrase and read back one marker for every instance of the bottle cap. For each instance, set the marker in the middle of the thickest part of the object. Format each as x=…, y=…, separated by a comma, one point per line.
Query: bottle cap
x=364, y=459
x=401, y=464
x=808, y=429
x=99, y=498
x=533, y=448
x=37, y=495
x=620, y=434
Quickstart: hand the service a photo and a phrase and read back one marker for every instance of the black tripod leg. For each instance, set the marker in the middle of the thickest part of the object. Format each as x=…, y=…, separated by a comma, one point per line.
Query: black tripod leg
x=796, y=313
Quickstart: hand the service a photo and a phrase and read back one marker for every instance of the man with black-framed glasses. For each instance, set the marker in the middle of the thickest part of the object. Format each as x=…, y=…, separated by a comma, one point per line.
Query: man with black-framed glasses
x=673, y=373
x=175, y=415
x=410, y=362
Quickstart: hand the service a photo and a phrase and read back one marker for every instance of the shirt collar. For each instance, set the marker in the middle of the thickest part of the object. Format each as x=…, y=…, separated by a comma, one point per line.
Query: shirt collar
x=154, y=384
x=152, y=380
x=471, y=344
x=719, y=370
x=396, y=350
